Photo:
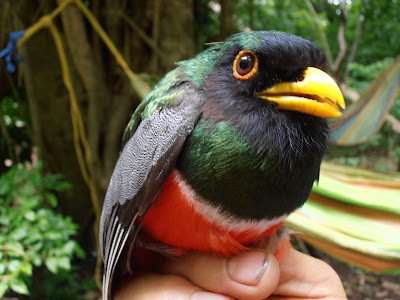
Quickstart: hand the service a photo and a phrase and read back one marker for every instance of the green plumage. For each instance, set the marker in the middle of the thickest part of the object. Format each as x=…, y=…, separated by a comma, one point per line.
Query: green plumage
x=230, y=173
x=223, y=166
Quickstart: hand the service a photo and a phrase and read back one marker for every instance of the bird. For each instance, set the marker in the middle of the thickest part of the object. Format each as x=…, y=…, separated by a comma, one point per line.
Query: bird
x=219, y=153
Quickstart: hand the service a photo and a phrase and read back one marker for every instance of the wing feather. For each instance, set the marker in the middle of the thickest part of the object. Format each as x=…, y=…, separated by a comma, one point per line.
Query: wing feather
x=146, y=161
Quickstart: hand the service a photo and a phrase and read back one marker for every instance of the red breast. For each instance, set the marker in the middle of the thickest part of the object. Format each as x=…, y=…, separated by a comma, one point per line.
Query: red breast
x=175, y=220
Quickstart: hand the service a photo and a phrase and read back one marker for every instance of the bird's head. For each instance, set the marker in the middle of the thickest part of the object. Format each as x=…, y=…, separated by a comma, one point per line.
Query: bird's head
x=270, y=82
x=284, y=70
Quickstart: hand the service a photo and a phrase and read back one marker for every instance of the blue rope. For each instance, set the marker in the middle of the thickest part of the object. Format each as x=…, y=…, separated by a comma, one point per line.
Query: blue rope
x=11, y=52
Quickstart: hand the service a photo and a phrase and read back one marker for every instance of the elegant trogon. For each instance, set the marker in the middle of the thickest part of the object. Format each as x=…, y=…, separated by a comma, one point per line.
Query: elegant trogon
x=220, y=152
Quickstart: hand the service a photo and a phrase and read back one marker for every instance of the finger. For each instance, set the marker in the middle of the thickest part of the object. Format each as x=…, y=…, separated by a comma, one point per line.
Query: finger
x=306, y=277
x=152, y=286
x=249, y=276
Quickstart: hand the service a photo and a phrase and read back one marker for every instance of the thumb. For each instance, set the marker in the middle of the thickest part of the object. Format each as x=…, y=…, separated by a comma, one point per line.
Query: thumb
x=251, y=275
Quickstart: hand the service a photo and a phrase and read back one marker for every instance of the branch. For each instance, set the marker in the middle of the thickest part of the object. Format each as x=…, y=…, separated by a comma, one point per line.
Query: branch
x=156, y=33
x=82, y=57
x=393, y=123
x=96, y=41
x=349, y=93
x=342, y=42
x=16, y=250
x=327, y=48
x=227, y=26
x=354, y=47
x=144, y=37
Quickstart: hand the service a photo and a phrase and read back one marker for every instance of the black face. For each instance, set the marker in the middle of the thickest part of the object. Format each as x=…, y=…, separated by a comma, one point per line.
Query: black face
x=280, y=57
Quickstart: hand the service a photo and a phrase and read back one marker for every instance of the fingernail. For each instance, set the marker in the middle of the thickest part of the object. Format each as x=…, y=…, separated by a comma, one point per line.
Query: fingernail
x=201, y=295
x=247, y=268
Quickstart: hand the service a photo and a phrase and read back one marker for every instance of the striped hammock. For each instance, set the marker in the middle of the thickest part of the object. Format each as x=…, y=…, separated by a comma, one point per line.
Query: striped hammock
x=362, y=119
x=354, y=215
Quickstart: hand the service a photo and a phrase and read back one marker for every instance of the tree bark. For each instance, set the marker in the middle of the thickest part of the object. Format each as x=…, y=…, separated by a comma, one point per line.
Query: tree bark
x=97, y=95
x=50, y=110
x=251, y=14
x=176, y=32
x=227, y=26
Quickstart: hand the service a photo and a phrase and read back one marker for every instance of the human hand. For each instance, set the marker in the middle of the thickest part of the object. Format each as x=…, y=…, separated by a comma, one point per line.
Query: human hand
x=254, y=275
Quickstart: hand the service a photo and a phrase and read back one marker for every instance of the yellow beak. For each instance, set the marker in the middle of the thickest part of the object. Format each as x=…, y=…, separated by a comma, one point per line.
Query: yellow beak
x=317, y=94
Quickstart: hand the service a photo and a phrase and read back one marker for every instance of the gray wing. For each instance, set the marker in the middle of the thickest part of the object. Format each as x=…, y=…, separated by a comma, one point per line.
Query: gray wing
x=142, y=168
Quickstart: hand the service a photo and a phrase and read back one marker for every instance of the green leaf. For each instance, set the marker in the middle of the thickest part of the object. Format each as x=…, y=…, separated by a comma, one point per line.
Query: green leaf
x=80, y=252
x=14, y=265
x=4, y=219
x=62, y=186
x=4, y=286
x=26, y=268
x=27, y=222
x=51, y=199
x=54, y=235
x=19, y=233
x=37, y=261
x=69, y=248
x=2, y=268
x=30, y=216
x=52, y=264
x=64, y=263
x=19, y=287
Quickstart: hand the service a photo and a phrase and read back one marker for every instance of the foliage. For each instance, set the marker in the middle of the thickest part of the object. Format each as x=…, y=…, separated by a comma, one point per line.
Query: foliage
x=381, y=31
x=361, y=74
x=206, y=26
x=63, y=285
x=286, y=15
x=32, y=234
x=16, y=120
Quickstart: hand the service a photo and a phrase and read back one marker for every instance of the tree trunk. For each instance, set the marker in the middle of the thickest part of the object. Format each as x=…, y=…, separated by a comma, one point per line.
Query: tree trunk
x=51, y=120
x=176, y=31
x=226, y=18
x=251, y=14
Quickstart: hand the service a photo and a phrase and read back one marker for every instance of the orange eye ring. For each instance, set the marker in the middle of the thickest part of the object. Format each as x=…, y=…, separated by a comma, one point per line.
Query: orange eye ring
x=245, y=65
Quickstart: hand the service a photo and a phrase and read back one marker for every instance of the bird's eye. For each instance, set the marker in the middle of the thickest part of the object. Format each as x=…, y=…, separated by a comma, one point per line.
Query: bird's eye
x=245, y=65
